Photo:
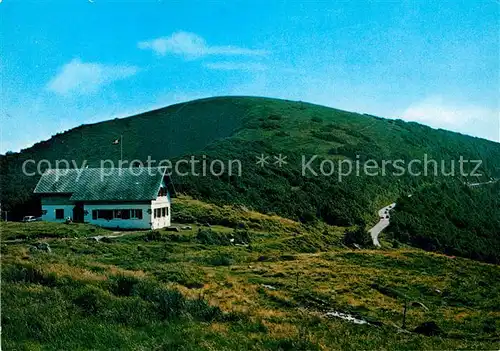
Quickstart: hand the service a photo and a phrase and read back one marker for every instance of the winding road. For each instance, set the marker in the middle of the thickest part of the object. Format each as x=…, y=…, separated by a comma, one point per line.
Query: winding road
x=492, y=181
x=382, y=224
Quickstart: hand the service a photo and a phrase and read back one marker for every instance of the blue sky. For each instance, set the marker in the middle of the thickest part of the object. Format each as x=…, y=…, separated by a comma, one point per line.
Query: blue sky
x=65, y=64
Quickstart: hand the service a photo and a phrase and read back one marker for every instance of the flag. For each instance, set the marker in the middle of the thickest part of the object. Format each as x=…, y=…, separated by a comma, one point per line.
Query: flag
x=116, y=142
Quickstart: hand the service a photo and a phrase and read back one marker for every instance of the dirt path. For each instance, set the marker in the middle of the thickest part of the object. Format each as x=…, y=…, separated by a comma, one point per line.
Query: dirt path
x=384, y=216
x=115, y=235
x=50, y=238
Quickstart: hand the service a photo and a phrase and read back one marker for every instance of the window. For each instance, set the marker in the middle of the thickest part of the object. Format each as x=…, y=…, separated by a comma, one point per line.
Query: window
x=166, y=210
x=162, y=191
x=117, y=214
x=60, y=213
x=136, y=214
x=163, y=212
x=157, y=212
x=105, y=214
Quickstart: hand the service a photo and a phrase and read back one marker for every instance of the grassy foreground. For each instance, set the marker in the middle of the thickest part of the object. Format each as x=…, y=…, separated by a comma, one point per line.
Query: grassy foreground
x=248, y=282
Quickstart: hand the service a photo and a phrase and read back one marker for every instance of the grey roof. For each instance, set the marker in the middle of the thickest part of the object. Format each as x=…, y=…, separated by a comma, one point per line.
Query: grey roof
x=103, y=184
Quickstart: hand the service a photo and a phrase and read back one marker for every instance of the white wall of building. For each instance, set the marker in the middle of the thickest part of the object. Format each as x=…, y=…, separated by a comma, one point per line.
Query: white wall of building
x=161, y=202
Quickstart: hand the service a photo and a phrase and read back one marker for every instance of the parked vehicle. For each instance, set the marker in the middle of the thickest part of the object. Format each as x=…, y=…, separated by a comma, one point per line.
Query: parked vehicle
x=29, y=219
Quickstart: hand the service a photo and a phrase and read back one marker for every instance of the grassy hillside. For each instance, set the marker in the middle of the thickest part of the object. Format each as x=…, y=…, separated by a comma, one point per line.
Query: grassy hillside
x=195, y=290
x=171, y=131
x=241, y=128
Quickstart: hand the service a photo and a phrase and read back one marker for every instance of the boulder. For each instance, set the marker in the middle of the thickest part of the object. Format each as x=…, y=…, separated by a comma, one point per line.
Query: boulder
x=428, y=328
x=43, y=247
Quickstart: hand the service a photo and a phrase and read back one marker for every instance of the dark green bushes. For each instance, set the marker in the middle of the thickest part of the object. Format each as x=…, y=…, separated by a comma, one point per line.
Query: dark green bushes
x=451, y=218
x=211, y=237
x=123, y=285
x=154, y=235
x=357, y=235
x=269, y=125
x=188, y=277
x=221, y=259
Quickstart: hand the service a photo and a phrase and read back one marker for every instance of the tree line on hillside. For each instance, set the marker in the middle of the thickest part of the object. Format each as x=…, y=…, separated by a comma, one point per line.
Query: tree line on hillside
x=452, y=218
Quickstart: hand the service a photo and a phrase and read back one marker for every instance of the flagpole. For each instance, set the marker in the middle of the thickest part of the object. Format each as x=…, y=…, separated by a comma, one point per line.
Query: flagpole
x=121, y=148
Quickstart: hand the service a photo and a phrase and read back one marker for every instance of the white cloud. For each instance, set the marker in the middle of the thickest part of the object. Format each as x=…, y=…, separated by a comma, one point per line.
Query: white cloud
x=236, y=66
x=80, y=77
x=464, y=118
x=192, y=45
x=435, y=111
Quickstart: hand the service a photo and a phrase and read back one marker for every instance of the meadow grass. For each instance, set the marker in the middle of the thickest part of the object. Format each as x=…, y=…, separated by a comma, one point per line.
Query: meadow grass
x=178, y=290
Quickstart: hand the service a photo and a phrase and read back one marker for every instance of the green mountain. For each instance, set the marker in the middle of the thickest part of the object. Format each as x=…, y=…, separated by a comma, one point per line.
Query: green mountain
x=444, y=213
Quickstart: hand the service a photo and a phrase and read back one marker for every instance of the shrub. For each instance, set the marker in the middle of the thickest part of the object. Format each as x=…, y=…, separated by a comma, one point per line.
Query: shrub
x=201, y=310
x=241, y=236
x=269, y=125
x=90, y=300
x=171, y=304
x=308, y=217
x=211, y=237
x=222, y=259
x=274, y=117
x=123, y=285
x=178, y=238
x=153, y=235
x=189, y=278
x=358, y=235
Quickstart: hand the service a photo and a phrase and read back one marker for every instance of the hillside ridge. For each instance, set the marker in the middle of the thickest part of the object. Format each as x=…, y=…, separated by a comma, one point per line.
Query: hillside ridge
x=244, y=128
x=166, y=109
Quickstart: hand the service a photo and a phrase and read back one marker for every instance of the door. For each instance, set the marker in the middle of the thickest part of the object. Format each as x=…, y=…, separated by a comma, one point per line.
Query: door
x=78, y=212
